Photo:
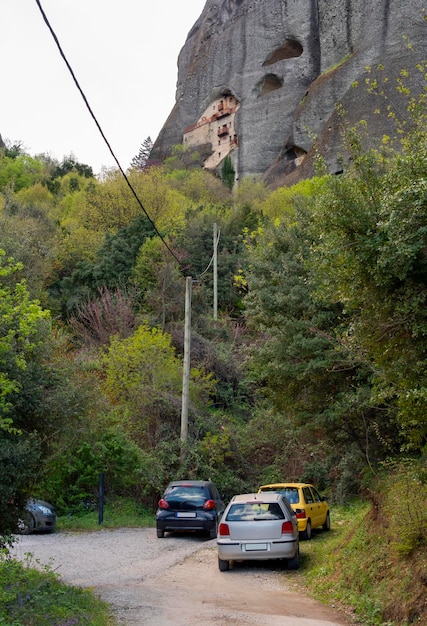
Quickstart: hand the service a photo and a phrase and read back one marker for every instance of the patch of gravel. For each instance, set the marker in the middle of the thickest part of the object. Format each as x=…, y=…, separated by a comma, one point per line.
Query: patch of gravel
x=174, y=580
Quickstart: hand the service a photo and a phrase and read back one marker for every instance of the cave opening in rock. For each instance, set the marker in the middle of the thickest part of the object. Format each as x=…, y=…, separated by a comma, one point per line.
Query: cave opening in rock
x=270, y=83
x=290, y=49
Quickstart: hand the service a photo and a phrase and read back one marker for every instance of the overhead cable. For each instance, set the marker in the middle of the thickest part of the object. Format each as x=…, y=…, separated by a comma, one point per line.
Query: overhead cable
x=70, y=69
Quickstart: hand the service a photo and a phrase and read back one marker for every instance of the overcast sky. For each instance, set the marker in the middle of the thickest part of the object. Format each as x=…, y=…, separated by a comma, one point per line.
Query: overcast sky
x=124, y=54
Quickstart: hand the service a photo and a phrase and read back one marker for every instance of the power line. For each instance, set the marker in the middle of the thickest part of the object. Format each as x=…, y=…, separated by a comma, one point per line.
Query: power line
x=89, y=108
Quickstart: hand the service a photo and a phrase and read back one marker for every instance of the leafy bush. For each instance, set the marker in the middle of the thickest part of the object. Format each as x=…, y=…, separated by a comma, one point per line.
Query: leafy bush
x=19, y=457
x=402, y=504
x=73, y=474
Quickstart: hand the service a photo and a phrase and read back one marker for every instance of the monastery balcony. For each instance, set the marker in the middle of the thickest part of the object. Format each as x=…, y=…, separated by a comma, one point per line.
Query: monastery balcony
x=223, y=130
x=224, y=112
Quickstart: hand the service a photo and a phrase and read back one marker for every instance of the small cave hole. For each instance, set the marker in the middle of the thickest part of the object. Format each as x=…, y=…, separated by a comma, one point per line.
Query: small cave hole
x=270, y=83
x=289, y=50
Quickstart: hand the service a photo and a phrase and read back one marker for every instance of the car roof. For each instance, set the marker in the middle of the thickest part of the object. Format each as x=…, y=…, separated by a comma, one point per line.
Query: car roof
x=268, y=496
x=189, y=483
x=284, y=485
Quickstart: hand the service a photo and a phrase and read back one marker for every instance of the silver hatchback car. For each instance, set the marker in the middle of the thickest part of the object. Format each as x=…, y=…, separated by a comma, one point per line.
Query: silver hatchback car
x=258, y=526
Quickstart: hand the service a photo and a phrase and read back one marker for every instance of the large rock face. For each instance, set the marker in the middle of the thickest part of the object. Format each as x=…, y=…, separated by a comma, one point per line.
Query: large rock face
x=288, y=63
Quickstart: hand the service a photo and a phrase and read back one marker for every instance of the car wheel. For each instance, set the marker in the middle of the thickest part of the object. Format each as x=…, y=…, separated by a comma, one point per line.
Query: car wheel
x=294, y=563
x=160, y=533
x=306, y=534
x=27, y=524
x=224, y=566
x=327, y=524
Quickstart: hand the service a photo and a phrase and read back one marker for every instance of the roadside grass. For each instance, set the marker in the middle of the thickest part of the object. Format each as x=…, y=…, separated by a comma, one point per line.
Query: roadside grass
x=372, y=565
x=122, y=513
x=30, y=597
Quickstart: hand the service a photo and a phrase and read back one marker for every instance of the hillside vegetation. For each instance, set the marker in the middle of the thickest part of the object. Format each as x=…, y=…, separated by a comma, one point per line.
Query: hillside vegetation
x=314, y=368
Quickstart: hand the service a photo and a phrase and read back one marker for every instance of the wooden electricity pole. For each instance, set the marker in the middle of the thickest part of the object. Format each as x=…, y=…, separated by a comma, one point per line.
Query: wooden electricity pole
x=215, y=271
x=186, y=367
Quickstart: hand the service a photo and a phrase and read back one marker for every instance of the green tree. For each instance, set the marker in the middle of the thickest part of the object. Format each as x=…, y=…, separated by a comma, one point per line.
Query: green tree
x=140, y=160
x=29, y=234
x=228, y=173
x=200, y=187
x=113, y=267
x=196, y=243
x=183, y=157
x=19, y=318
x=159, y=283
x=372, y=258
x=19, y=458
x=20, y=172
x=143, y=378
x=299, y=358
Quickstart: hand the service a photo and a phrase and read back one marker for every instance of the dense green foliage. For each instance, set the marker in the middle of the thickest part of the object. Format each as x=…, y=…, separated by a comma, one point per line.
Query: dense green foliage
x=314, y=369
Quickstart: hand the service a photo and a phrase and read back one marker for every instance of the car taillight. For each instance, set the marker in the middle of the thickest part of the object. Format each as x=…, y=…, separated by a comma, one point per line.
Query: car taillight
x=223, y=530
x=163, y=504
x=300, y=513
x=287, y=527
x=209, y=505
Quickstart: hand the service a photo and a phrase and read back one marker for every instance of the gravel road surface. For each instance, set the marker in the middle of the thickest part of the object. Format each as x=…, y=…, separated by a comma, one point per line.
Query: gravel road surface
x=174, y=580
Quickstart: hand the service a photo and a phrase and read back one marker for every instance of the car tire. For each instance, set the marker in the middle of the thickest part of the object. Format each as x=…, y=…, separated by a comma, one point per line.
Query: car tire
x=327, y=524
x=306, y=534
x=160, y=533
x=294, y=562
x=224, y=566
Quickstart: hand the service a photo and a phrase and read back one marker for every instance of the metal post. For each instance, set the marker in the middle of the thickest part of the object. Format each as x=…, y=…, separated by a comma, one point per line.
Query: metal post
x=186, y=368
x=101, y=498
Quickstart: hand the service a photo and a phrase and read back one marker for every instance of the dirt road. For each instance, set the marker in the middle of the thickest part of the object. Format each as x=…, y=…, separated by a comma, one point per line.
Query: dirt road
x=175, y=580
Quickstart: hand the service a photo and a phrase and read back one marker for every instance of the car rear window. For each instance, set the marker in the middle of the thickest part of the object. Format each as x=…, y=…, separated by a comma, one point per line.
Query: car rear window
x=254, y=511
x=193, y=495
x=290, y=493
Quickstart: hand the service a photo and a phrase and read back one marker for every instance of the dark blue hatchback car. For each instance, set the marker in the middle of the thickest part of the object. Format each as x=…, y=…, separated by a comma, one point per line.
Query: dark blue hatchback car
x=39, y=516
x=190, y=505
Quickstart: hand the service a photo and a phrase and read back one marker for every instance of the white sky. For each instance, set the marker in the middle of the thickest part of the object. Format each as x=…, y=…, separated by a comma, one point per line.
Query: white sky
x=124, y=55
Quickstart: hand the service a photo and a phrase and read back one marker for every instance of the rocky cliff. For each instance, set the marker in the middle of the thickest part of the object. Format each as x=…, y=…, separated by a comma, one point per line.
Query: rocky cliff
x=285, y=65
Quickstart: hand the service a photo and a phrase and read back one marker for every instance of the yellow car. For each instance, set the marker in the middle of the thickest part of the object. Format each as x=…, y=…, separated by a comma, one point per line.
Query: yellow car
x=311, y=509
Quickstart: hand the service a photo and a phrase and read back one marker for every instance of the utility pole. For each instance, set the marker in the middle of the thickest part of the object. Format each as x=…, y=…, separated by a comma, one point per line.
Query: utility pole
x=215, y=271
x=186, y=368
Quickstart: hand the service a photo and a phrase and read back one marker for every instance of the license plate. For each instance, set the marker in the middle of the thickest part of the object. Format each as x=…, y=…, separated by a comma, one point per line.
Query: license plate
x=186, y=514
x=252, y=547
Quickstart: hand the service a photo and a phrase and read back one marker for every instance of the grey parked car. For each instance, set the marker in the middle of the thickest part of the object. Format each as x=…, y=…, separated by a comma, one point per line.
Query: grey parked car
x=39, y=516
x=190, y=505
x=258, y=526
